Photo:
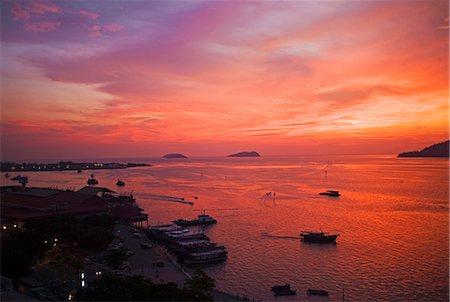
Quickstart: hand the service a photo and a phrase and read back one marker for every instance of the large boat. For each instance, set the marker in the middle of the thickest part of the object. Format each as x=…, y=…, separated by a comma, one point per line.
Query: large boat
x=283, y=290
x=202, y=219
x=331, y=193
x=318, y=237
x=215, y=255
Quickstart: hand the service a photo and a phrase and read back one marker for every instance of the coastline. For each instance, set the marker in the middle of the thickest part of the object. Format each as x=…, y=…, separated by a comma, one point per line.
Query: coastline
x=141, y=263
x=66, y=166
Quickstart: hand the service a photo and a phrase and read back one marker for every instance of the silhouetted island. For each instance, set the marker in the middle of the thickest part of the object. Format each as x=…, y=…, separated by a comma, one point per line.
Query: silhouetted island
x=436, y=150
x=245, y=154
x=65, y=165
x=174, y=155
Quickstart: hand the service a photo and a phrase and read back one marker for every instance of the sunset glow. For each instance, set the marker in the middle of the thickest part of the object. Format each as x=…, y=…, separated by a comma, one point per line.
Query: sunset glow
x=143, y=78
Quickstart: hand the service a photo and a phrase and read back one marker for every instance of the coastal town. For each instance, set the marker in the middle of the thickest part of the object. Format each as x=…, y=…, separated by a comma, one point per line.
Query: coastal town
x=62, y=245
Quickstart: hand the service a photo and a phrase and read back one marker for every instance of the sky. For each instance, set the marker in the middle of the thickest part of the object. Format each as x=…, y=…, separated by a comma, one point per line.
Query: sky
x=98, y=79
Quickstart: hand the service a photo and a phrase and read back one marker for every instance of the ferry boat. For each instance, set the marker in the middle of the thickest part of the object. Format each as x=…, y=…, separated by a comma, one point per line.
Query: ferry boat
x=331, y=193
x=318, y=237
x=211, y=256
x=203, y=219
x=283, y=290
x=317, y=292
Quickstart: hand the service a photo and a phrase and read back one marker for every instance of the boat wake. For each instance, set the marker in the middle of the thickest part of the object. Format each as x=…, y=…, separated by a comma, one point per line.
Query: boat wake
x=168, y=198
x=268, y=235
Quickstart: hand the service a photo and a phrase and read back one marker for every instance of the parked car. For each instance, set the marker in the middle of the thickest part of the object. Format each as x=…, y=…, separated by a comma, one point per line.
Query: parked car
x=158, y=263
x=146, y=245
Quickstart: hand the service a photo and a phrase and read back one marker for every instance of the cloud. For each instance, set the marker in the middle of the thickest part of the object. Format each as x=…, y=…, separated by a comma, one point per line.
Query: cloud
x=19, y=12
x=42, y=26
x=87, y=14
x=98, y=30
x=43, y=7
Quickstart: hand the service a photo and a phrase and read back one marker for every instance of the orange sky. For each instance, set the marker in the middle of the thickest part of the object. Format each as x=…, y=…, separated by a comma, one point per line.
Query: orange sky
x=144, y=78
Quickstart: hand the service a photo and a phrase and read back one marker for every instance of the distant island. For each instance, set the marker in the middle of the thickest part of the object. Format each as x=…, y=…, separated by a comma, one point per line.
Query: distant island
x=174, y=155
x=436, y=150
x=245, y=154
x=65, y=165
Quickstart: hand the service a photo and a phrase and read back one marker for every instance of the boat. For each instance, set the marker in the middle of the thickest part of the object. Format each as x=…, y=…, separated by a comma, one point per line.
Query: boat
x=283, y=290
x=78, y=171
x=210, y=256
x=120, y=183
x=317, y=292
x=202, y=219
x=92, y=180
x=7, y=175
x=318, y=237
x=18, y=177
x=330, y=193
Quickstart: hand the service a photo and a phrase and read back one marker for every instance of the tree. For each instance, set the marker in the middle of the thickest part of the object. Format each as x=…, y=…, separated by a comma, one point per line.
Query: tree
x=200, y=284
x=110, y=287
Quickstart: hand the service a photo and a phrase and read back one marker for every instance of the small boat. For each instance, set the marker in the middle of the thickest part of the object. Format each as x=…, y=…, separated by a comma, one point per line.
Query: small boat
x=202, y=219
x=120, y=183
x=318, y=237
x=317, y=292
x=7, y=175
x=78, y=171
x=18, y=177
x=92, y=180
x=283, y=290
x=331, y=193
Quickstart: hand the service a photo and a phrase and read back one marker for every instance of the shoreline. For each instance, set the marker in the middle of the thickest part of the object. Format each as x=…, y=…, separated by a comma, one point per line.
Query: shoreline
x=66, y=166
x=141, y=263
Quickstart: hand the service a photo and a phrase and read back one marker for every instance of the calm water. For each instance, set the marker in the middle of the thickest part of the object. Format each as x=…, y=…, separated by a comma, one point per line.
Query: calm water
x=392, y=217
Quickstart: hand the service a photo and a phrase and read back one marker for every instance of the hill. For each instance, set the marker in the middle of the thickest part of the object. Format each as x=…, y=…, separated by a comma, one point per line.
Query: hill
x=174, y=155
x=436, y=150
x=245, y=154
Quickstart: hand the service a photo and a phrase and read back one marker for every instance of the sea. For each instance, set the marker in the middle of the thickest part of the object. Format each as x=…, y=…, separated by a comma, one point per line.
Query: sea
x=392, y=218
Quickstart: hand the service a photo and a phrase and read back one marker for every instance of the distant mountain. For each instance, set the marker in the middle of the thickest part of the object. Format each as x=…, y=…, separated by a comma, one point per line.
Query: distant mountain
x=174, y=155
x=245, y=154
x=436, y=150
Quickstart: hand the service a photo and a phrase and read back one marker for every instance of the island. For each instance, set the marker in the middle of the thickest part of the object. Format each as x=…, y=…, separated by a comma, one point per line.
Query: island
x=245, y=154
x=436, y=150
x=65, y=165
x=174, y=155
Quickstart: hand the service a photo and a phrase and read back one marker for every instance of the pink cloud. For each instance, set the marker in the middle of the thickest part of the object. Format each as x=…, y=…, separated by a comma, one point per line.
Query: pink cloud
x=88, y=14
x=42, y=26
x=95, y=31
x=113, y=27
x=43, y=7
x=98, y=30
x=19, y=12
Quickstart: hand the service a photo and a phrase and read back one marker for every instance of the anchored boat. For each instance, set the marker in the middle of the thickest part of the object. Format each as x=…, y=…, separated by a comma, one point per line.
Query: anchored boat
x=318, y=237
x=331, y=193
x=283, y=290
x=202, y=219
